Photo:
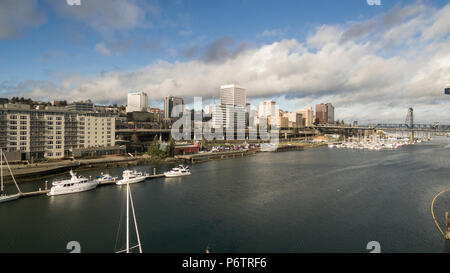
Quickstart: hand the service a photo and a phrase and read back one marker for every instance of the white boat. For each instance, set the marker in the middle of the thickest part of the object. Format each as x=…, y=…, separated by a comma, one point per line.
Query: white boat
x=130, y=176
x=106, y=178
x=128, y=248
x=73, y=185
x=178, y=171
x=4, y=197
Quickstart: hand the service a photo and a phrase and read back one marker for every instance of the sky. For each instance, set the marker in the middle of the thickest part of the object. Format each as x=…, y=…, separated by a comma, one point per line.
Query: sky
x=371, y=62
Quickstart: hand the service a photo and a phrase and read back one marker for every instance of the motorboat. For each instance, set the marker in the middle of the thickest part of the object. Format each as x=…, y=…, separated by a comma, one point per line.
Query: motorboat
x=73, y=185
x=106, y=178
x=178, y=171
x=132, y=176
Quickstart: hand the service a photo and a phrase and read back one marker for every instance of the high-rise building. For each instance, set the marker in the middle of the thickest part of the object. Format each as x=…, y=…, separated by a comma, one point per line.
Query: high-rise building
x=232, y=94
x=321, y=113
x=232, y=109
x=308, y=115
x=300, y=121
x=226, y=116
x=266, y=110
x=169, y=103
x=330, y=113
x=137, y=101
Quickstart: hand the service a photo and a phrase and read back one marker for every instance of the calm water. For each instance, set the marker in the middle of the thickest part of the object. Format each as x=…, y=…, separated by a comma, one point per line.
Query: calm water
x=317, y=200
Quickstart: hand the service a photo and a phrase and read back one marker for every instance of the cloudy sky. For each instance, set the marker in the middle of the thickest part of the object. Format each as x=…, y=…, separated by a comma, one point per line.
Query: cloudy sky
x=372, y=62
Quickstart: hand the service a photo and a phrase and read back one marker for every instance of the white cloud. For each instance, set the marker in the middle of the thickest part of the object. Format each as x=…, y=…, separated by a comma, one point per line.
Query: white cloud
x=366, y=72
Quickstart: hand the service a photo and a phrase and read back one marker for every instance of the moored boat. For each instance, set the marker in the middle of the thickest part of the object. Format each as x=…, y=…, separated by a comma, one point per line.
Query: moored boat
x=130, y=176
x=106, y=178
x=178, y=171
x=73, y=185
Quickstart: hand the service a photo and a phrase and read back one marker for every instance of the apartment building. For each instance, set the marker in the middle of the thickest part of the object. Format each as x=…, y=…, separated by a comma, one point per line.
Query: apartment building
x=52, y=132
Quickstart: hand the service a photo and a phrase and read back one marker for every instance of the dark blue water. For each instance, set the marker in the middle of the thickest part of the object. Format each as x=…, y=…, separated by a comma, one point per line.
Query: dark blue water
x=316, y=200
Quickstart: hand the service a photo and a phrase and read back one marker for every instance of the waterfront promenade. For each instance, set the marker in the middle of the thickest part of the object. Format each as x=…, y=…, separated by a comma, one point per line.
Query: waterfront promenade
x=26, y=172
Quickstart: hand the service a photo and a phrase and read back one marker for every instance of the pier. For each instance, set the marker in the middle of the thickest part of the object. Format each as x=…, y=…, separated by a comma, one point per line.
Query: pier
x=46, y=190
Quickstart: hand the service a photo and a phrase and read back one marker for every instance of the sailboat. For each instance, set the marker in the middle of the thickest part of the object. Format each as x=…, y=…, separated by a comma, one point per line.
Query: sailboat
x=4, y=197
x=128, y=248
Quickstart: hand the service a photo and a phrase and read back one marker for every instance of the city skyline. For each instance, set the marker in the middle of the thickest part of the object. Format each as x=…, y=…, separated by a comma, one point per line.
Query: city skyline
x=370, y=62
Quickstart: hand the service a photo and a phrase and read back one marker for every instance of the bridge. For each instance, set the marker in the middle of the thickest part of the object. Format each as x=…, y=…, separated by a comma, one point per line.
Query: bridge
x=388, y=127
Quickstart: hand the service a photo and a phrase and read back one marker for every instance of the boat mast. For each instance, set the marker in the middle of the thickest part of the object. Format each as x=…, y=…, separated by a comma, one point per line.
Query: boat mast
x=135, y=223
x=128, y=232
x=12, y=175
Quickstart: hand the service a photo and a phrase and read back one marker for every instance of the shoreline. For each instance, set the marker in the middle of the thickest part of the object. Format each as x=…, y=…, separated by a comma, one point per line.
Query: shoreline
x=27, y=173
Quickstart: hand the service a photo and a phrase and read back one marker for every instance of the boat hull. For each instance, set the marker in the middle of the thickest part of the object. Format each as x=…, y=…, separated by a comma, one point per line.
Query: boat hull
x=54, y=192
x=131, y=181
x=166, y=174
x=6, y=198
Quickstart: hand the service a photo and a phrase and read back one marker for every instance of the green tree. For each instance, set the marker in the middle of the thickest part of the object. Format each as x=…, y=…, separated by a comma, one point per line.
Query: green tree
x=171, y=148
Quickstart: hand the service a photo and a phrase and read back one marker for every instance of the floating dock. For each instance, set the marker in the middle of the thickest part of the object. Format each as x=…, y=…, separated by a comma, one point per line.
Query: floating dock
x=46, y=190
x=34, y=193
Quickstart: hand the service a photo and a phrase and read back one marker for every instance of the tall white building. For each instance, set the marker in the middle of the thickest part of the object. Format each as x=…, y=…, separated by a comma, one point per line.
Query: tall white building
x=137, y=101
x=308, y=115
x=267, y=110
x=232, y=94
x=226, y=116
x=231, y=111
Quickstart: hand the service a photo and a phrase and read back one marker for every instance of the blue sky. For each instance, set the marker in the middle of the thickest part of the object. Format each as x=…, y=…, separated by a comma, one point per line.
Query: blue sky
x=105, y=48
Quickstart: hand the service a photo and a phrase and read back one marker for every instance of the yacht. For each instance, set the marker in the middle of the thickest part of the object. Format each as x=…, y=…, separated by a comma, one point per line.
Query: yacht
x=130, y=176
x=73, y=185
x=178, y=171
x=106, y=178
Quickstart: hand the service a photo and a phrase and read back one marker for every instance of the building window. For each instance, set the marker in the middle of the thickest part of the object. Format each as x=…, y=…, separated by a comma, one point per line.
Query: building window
x=13, y=117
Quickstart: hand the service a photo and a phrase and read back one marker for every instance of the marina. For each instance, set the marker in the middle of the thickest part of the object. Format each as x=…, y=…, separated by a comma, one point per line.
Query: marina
x=286, y=198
